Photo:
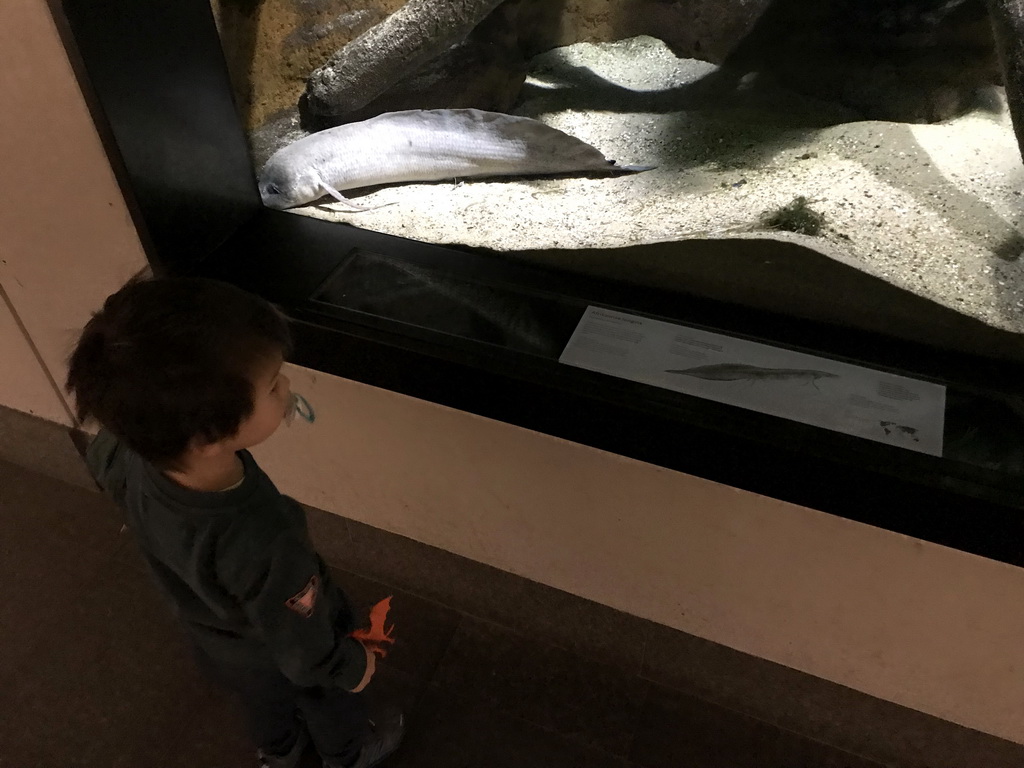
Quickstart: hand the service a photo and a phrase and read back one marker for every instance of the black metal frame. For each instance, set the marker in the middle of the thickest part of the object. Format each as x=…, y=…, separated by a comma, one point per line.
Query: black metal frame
x=155, y=77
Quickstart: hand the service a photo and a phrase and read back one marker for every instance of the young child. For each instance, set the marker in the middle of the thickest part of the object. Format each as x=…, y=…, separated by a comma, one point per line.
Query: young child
x=184, y=375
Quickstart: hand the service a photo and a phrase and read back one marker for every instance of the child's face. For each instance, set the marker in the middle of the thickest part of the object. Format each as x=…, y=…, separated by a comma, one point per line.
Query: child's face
x=271, y=397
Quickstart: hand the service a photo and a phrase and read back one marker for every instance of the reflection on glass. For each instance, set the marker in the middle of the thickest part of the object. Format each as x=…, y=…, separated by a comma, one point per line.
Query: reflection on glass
x=986, y=431
x=436, y=300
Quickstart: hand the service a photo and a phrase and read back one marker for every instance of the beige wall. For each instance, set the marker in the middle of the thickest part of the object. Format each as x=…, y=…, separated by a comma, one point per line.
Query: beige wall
x=65, y=235
x=911, y=622
x=24, y=383
x=908, y=621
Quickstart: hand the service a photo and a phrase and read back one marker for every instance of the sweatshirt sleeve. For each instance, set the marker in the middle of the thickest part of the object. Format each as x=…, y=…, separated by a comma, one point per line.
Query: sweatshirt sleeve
x=107, y=460
x=297, y=615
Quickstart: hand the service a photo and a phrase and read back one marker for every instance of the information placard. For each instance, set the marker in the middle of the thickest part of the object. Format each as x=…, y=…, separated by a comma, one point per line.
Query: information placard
x=859, y=401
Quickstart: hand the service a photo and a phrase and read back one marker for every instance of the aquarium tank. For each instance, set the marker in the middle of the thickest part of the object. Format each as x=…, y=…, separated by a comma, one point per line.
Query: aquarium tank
x=853, y=162
x=773, y=243
x=874, y=133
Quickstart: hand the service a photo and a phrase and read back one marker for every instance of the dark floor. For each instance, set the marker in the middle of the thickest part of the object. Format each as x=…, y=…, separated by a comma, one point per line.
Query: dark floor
x=94, y=673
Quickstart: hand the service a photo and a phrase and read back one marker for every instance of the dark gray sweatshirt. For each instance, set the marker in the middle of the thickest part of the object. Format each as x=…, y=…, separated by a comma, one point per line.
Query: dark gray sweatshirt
x=238, y=568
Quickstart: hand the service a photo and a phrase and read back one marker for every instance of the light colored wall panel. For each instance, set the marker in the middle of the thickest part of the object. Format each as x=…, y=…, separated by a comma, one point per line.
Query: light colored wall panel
x=911, y=622
x=66, y=240
x=24, y=384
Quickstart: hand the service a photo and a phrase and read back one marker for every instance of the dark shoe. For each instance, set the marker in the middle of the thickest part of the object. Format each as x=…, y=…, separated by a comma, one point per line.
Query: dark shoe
x=385, y=736
x=291, y=760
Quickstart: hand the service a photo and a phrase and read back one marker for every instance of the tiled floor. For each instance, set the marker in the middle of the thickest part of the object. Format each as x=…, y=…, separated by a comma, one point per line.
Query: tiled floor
x=94, y=673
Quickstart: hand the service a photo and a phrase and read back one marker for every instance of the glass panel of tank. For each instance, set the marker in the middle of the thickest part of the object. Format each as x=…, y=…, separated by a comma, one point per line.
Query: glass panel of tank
x=852, y=161
x=873, y=132
x=858, y=157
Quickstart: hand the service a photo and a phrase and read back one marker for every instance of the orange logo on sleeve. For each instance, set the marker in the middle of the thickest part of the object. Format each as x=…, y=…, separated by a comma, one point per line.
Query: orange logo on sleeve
x=305, y=601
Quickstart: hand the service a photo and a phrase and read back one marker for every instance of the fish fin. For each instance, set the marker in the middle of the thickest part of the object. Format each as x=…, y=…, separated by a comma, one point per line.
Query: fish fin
x=340, y=197
x=354, y=207
x=634, y=168
x=345, y=201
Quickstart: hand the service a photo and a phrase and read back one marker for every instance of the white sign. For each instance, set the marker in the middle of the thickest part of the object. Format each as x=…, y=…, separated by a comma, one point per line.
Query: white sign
x=813, y=390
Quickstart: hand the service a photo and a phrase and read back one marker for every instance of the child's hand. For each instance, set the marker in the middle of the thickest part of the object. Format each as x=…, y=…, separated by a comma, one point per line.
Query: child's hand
x=371, y=667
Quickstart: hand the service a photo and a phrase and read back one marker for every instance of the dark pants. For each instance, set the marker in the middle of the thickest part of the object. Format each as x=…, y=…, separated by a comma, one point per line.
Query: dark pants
x=336, y=718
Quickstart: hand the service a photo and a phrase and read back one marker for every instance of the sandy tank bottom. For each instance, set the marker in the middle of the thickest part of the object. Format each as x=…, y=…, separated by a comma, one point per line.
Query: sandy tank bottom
x=932, y=209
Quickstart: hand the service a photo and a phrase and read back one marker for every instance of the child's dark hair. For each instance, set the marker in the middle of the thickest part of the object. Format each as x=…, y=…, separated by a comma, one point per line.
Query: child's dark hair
x=170, y=360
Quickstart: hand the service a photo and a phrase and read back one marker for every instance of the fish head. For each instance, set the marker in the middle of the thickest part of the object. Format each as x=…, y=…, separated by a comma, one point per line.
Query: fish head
x=282, y=187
